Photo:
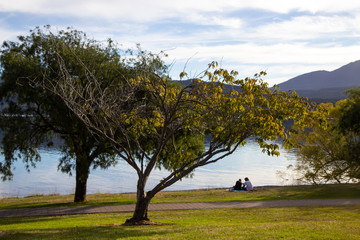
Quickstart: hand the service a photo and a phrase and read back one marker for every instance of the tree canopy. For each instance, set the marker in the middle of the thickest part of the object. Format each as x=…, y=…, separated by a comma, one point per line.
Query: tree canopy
x=322, y=154
x=33, y=117
x=349, y=119
x=330, y=154
x=349, y=125
x=144, y=118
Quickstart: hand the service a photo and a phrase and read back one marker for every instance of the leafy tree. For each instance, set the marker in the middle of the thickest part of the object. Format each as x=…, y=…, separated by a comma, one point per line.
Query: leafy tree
x=349, y=119
x=324, y=154
x=349, y=124
x=143, y=119
x=33, y=117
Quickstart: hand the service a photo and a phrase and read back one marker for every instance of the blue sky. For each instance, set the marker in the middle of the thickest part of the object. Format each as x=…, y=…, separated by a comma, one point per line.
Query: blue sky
x=285, y=38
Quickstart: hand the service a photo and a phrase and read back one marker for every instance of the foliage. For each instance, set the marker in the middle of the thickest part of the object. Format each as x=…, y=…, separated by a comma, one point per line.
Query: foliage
x=144, y=118
x=349, y=120
x=324, y=154
x=33, y=117
x=349, y=125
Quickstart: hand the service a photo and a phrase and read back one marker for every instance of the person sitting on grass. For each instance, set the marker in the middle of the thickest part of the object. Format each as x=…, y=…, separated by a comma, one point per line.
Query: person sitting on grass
x=238, y=185
x=247, y=185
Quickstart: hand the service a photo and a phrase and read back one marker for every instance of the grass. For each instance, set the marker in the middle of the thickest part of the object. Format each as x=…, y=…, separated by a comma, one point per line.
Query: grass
x=337, y=222
x=211, y=195
x=253, y=223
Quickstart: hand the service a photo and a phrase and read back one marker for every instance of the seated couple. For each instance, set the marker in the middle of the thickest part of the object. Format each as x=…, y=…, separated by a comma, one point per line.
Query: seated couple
x=247, y=186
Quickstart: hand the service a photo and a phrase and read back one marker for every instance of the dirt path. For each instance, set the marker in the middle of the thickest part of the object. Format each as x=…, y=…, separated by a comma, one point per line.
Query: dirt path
x=174, y=206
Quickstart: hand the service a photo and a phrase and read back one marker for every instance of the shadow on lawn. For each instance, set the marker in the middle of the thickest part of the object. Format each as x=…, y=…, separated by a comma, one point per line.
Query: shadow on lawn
x=7, y=221
x=66, y=204
x=100, y=232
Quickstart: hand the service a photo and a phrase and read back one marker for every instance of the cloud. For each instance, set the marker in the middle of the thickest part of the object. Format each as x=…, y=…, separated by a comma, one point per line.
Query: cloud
x=6, y=33
x=271, y=54
x=312, y=27
x=312, y=6
x=284, y=37
x=281, y=61
x=215, y=19
x=142, y=11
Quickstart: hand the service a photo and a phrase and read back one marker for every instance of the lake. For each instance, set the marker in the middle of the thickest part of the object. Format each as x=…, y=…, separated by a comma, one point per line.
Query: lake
x=247, y=161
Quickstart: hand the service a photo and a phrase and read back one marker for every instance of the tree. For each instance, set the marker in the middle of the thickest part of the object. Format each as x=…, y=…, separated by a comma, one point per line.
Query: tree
x=349, y=124
x=33, y=117
x=349, y=119
x=144, y=118
x=324, y=154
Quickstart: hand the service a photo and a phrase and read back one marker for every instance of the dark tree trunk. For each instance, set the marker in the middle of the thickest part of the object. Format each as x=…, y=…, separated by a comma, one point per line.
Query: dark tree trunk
x=82, y=174
x=140, y=216
x=80, y=190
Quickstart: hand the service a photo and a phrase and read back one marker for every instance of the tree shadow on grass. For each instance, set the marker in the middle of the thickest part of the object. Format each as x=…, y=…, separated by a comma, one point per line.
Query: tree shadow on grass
x=7, y=221
x=94, y=232
x=68, y=204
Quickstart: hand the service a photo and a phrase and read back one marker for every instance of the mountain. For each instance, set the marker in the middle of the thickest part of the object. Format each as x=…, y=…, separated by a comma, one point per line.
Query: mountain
x=325, y=85
x=347, y=76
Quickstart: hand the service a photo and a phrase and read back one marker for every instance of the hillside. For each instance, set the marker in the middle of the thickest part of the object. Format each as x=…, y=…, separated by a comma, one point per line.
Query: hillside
x=347, y=76
x=325, y=85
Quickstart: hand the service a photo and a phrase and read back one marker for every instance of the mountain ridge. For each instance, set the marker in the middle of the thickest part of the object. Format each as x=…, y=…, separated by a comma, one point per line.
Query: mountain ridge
x=347, y=76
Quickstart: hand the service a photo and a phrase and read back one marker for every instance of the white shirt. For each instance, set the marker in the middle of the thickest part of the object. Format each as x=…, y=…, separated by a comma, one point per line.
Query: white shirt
x=248, y=186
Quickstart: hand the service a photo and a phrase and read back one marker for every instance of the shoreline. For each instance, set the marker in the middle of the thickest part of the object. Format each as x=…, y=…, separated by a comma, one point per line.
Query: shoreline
x=186, y=190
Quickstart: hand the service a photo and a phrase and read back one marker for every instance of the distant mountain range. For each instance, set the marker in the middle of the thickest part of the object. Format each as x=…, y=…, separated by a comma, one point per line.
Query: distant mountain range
x=320, y=86
x=323, y=86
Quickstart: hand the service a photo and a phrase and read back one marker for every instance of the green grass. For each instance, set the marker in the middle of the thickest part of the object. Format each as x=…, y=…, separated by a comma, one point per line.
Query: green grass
x=338, y=222
x=253, y=223
x=211, y=195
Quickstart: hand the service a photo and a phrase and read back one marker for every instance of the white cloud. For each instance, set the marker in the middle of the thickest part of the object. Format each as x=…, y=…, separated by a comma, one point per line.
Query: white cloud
x=322, y=29
x=6, y=34
x=140, y=11
x=214, y=19
x=281, y=61
x=283, y=47
x=269, y=54
x=9, y=34
x=282, y=6
x=311, y=27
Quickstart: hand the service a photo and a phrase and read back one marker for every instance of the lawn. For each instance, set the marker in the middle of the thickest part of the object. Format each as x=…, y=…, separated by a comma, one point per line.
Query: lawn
x=205, y=195
x=253, y=223
x=336, y=222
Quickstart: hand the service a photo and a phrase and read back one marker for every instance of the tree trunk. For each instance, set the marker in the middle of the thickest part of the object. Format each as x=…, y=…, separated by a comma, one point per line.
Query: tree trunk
x=140, y=216
x=82, y=174
x=80, y=190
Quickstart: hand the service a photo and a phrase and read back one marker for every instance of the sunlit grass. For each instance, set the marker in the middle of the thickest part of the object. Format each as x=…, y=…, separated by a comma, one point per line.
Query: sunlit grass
x=210, y=195
x=254, y=223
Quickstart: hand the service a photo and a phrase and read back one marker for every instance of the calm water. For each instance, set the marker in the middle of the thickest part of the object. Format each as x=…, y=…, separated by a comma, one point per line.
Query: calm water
x=247, y=161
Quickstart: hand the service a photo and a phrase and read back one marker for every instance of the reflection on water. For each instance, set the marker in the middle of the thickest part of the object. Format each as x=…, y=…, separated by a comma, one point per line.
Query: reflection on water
x=247, y=161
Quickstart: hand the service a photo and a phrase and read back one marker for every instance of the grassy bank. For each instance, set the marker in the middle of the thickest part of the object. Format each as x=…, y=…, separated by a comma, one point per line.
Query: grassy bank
x=210, y=195
x=253, y=223
x=337, y=222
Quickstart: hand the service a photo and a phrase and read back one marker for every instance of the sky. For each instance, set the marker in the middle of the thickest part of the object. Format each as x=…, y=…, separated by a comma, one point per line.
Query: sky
x=285, y=38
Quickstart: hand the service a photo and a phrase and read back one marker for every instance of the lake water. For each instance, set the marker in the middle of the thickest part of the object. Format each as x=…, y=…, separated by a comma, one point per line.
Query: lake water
x=247, y=161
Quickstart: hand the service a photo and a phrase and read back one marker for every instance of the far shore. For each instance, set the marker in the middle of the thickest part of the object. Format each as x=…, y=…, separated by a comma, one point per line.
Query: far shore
x=195, y=190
